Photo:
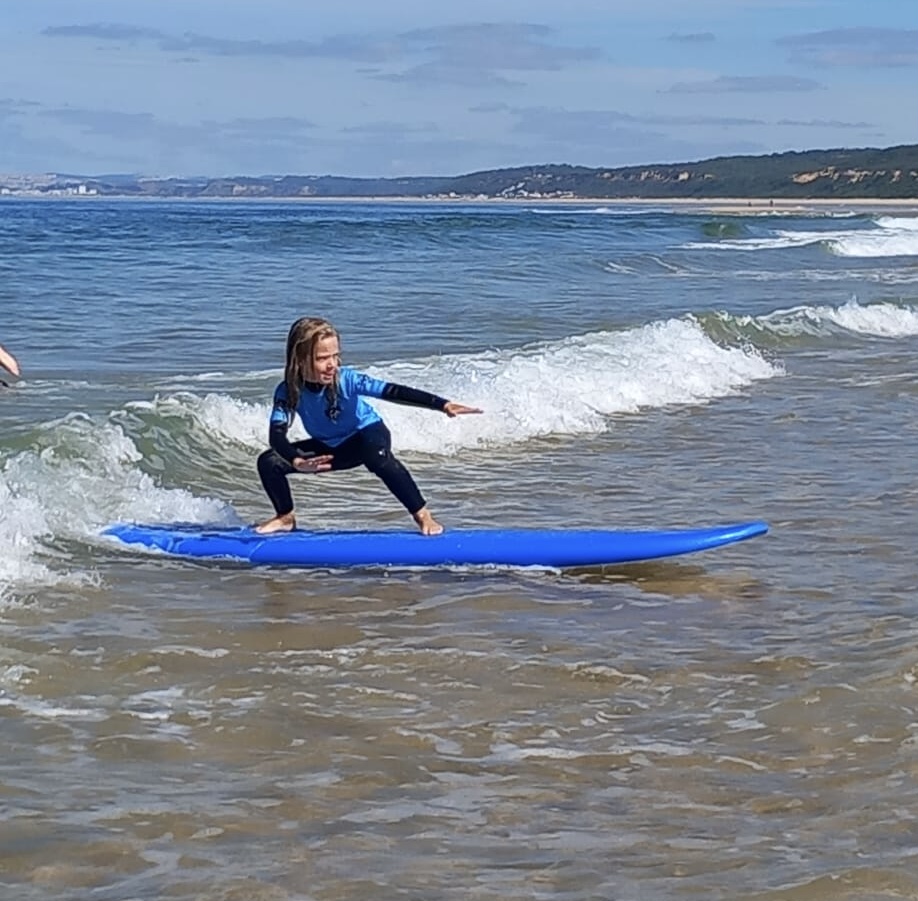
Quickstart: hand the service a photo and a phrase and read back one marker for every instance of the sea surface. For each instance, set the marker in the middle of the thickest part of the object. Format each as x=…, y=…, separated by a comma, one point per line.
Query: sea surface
x=736, y=724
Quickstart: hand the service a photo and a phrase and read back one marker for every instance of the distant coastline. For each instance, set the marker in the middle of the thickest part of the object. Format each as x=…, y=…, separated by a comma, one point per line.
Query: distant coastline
x=881, y=176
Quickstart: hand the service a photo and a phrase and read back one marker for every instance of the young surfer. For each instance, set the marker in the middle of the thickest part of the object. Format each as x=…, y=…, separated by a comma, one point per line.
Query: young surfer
x=345, y=430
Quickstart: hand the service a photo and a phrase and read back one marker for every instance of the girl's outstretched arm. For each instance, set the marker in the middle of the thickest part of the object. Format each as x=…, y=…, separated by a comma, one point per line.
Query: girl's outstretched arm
x=414, y=397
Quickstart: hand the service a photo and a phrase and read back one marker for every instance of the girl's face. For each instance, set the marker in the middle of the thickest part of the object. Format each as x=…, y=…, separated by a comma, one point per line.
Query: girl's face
x=326, y=360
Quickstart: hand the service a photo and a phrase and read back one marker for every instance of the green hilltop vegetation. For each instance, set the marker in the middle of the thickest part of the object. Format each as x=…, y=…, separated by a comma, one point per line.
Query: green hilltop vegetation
x=866, y=173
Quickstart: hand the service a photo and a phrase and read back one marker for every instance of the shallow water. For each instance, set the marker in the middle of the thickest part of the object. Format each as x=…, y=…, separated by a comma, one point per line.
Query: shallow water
x=739, y=723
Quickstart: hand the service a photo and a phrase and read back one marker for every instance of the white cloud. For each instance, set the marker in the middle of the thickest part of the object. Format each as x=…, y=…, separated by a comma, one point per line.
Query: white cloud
x=863, y=48
x=746, y=84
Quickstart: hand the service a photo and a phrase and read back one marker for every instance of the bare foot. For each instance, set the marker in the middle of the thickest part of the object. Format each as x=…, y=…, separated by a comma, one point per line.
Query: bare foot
x=426, y=523
x=285, y=523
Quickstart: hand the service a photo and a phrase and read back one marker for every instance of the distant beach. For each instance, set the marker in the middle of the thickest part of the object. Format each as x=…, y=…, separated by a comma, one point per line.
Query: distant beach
x=719, y=205
x=744, y=206
x=739, y=206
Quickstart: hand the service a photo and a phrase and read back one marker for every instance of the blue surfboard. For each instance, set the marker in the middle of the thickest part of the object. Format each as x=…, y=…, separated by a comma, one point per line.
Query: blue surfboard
x=456, y=547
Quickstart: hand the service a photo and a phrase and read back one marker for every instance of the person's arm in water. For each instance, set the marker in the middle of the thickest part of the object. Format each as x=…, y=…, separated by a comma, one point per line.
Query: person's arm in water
x=8, y=362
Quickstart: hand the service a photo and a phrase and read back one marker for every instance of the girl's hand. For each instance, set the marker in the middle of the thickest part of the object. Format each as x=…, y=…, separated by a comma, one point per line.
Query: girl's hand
x=453, y=409
x=312, y=464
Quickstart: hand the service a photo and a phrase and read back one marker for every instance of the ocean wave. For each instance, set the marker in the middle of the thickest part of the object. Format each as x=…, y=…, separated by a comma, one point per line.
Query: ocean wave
x=81, y=474
x=171, y=456
x=163, y=459
x=780, y=327
x=568, y=387
x=886, y=236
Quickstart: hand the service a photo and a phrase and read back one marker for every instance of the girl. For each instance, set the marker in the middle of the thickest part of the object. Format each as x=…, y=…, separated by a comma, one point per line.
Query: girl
x=345, y=430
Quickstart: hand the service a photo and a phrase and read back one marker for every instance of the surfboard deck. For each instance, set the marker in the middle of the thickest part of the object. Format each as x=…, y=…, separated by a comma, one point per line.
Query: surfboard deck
x=558, y=548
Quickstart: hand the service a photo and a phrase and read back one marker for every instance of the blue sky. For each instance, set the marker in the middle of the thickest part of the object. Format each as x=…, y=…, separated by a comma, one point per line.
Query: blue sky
x=419, y=87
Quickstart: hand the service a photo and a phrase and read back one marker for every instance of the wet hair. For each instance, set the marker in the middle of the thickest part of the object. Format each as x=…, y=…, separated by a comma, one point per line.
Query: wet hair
x=302, y=339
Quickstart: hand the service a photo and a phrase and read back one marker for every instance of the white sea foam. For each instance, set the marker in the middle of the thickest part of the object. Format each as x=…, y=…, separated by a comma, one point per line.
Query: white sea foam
x=574, y=386
x=883, y=320
x=780, y=240
x=882, y=242
x=212, y=414
x=902, y=223
x=888, y=236
x=85, y=475
x=568, y=387
x=182, y=650
x=48, y=710
x=566, y=210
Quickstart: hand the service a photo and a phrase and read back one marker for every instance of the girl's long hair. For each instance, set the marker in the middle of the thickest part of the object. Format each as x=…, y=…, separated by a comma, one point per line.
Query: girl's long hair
x=302, y=338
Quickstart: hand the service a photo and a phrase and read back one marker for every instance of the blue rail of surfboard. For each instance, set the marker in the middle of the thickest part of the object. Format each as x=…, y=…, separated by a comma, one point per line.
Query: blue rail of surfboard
x=460, y=547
